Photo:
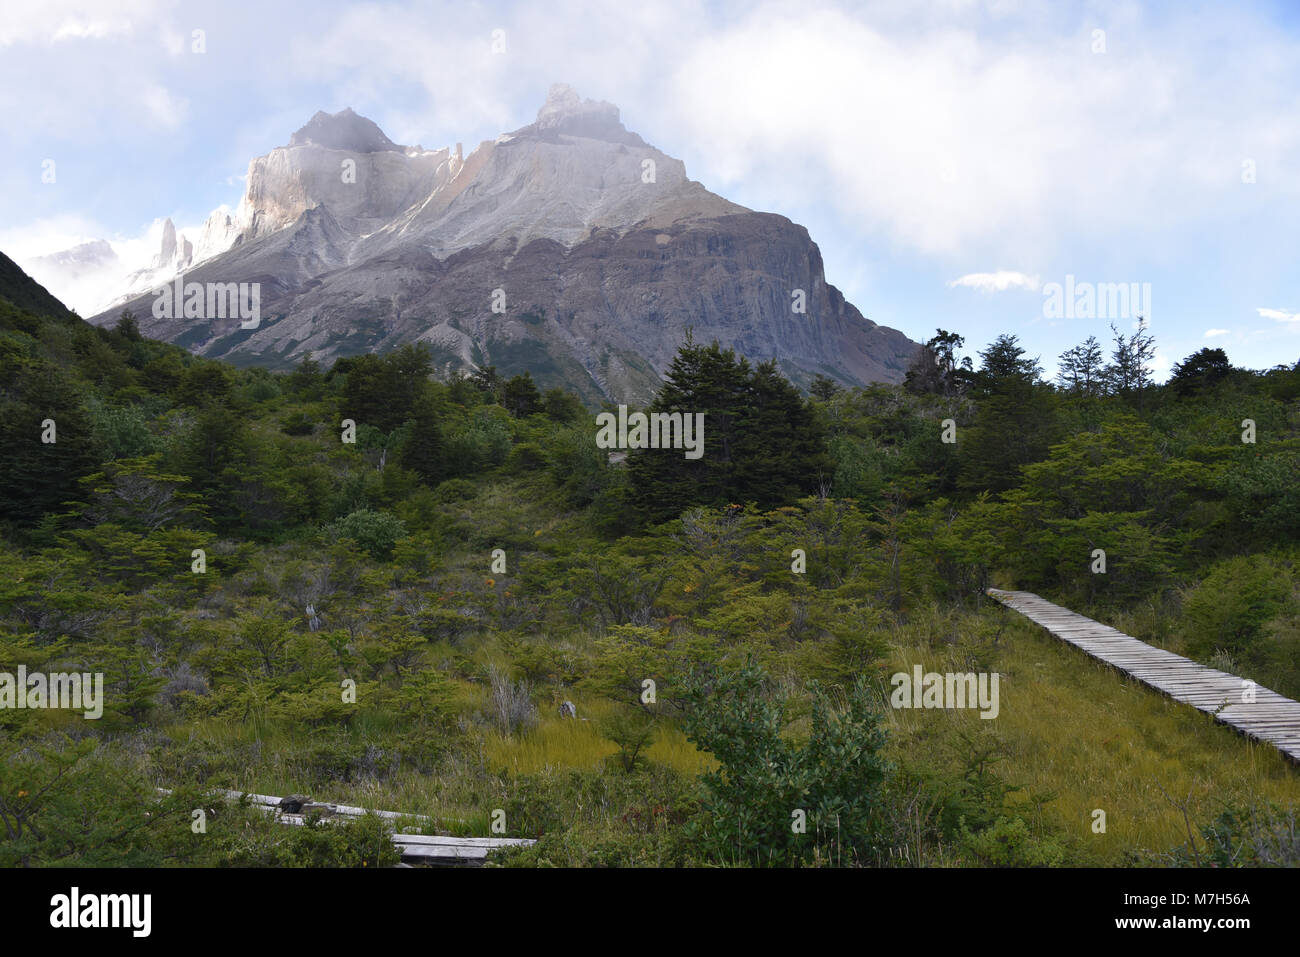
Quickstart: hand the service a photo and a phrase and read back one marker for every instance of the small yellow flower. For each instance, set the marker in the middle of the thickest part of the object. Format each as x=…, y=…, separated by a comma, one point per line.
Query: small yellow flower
x=688, y=588
x=22, y=794
x=490, y=583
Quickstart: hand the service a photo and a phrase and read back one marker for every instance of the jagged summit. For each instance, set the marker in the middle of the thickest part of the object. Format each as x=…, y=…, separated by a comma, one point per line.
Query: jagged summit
x=564, y=103
x=566, y=112
x=345, y=130
x=605, y=249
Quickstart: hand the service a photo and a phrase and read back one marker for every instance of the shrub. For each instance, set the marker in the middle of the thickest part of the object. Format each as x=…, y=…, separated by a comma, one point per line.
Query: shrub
x=1229, y=609
x=633, y=732
x=749, y=812
x=123, y=432
x=1259, y=836
x=375, y=532
x=362, y=842
x=298, y=422
x=526, y=457
x=455, y=490
x=1008, y=843
x=484, y=441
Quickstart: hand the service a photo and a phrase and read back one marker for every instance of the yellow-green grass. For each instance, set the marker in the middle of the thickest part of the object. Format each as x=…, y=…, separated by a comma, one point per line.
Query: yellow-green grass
x=568, y=743
x=459, y=798
x=453, y=800
x=1089, y=738
x=1077, y=737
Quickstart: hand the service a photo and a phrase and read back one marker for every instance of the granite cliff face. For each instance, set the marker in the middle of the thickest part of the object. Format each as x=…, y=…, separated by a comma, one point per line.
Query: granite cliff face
x=597, y=246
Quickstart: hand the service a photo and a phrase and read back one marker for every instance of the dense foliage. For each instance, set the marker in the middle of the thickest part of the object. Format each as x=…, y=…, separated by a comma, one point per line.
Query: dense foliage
x=232, y=548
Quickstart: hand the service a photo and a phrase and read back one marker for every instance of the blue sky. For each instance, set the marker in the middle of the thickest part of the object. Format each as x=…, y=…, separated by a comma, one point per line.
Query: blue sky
x=951, y=158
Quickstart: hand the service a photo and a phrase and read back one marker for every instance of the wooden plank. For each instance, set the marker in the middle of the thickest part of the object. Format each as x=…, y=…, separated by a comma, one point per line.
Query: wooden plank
x=444, y=855
x=1271, y=717
x=420, y=848
x=442, y=841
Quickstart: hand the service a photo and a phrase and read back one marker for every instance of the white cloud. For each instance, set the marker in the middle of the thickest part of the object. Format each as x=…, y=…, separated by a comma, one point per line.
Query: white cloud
x=975, y=140
x=1281, y=315
x=970, y=132
x=173, y=41
x=48, y=235
x=999, y=281
x=988, y=129
x=984, y=129
x=1211, y=333
x=86, y=290
x=57, y=21
x=1160, y=365
x=163, y=106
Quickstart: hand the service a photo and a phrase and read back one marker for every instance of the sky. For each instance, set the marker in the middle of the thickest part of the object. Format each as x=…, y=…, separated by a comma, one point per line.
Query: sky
x=958, y=163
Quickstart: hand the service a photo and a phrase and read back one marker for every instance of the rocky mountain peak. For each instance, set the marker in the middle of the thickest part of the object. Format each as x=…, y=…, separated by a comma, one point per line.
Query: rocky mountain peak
x=345, y=130
x=608, y=251
x=566, y=112
x=176, y=251
x=563, y=103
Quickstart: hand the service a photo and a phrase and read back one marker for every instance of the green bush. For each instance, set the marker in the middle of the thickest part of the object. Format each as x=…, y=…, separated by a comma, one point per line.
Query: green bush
x=375, y=532
x=455, y=490
x=1262, y=835
x=633, y=732
x=482, y=442
x=298, y=422
x=526, y=457
x=361, y=842
x=1008, y=843
x=1229, y=609
x=774, y=802
x=123, y=432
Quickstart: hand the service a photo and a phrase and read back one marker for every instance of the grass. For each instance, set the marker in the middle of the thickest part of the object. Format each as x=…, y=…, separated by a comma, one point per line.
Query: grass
x=1078, y=736
x=1072, y=737
x=566, y=743
x=462, y=793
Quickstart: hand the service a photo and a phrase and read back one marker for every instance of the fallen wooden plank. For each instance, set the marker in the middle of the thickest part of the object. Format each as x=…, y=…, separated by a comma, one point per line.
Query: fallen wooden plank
x=441, y=841
x=419, y=848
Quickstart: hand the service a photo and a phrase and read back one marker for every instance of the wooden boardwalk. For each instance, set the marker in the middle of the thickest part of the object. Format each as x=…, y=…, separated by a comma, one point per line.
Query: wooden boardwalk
x=1269, y=717
x=415, y=848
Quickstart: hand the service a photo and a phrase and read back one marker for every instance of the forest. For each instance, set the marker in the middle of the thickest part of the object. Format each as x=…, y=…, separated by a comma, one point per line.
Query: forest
x=374, y=585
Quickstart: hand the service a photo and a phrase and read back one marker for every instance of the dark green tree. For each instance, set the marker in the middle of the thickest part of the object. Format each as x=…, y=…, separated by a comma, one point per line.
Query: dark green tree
x=824, y=387
x=520, y=396
x=306, y=379
x=205, y=382
x=424, y=451
x=780, y=452
x=1200, y=371
x=935, y=370
x=1127, y=374
x=487, y=381
x=1082, y=369
x=128, y=327
x=1015, y=423
x=382, y=392
x=37, y=401
x=562, y=406
x=760, y=444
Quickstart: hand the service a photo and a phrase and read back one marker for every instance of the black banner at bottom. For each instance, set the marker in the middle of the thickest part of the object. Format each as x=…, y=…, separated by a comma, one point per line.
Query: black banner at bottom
x=333, y=907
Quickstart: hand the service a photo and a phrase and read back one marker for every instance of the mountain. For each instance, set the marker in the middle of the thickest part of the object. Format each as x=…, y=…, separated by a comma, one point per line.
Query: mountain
x=596, y=248
x=78, y=261
x=81, y=273
x=26, y=293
